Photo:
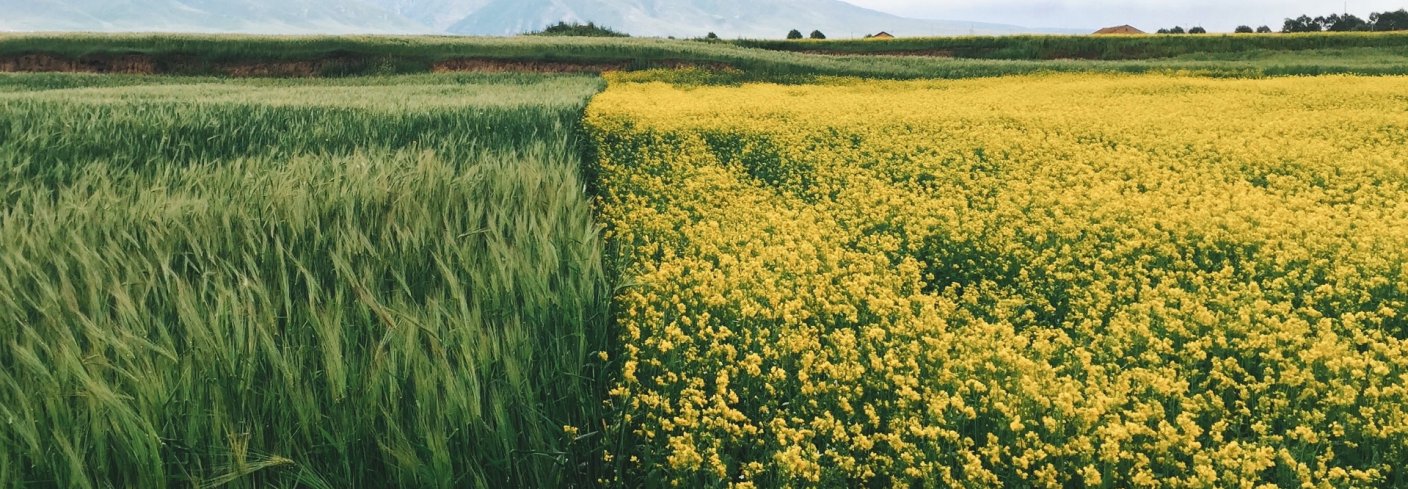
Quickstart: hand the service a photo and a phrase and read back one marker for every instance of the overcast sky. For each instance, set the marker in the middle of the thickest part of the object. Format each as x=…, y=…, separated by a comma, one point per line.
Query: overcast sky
x=1148, y=15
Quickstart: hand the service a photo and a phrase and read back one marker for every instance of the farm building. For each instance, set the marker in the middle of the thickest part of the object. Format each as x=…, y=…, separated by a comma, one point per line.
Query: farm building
x=1123, y=29
x=880, y=35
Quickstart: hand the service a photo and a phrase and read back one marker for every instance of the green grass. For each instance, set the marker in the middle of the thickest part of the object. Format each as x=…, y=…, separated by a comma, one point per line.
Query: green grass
x=322, y=283
x=1226, y=56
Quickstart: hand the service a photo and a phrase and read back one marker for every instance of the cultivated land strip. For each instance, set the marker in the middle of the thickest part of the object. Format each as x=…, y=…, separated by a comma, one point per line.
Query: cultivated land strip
x=303, y=56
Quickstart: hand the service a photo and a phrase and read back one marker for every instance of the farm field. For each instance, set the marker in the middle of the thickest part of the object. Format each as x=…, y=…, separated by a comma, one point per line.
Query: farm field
x=998, y=282
x=369, y=282
x=325, y=262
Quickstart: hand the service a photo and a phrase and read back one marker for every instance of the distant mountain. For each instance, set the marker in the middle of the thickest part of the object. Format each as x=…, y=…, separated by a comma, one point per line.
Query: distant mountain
x=684, y=18
x=727, y=18
x=439, y=15
x=248, y=16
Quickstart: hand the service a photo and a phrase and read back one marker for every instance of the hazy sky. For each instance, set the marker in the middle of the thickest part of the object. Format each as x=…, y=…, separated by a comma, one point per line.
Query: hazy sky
x=1149, y=15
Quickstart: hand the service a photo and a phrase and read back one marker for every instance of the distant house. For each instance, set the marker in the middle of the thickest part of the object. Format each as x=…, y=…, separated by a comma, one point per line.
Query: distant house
x=1123, y=29
x=880, y=35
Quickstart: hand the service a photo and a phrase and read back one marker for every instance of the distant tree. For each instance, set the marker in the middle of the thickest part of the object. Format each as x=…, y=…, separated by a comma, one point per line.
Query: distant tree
x=1163, y=31
x=1197, y=30
x=1302, y=24
x=794, y=34
x=1378, y=21
x=712, y=37
x=1266, y=29
x=817, y=35
x=590, y=29
x=1177, y=30
x=1353, y=23
x=1390, y=21
x=1244, y=29
x=1342, y=23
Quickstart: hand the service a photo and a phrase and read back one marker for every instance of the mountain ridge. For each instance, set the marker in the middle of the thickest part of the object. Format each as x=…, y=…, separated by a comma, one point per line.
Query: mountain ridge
x=654, y=18
x=727, y=18
x=205, y=16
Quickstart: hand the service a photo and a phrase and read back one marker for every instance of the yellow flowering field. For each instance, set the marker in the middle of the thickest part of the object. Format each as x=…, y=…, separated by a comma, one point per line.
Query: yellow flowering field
x=1041, y=281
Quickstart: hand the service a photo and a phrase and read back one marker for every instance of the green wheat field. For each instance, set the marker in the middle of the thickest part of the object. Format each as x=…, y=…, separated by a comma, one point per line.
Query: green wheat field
x=361, y=282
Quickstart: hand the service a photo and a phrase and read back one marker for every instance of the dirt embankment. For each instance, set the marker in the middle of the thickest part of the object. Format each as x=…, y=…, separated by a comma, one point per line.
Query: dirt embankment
x=922, y=53
x=137, y=64
x=534, y=66
x=147, y=65
x=131, y=64
x=499, y=65
x=277, y=68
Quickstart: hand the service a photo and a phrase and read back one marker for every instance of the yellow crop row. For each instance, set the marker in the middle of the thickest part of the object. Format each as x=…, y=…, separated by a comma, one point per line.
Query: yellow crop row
x=1058, y=280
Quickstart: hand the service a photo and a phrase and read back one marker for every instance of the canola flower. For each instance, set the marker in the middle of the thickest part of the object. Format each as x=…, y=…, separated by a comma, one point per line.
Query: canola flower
x=1046, y=281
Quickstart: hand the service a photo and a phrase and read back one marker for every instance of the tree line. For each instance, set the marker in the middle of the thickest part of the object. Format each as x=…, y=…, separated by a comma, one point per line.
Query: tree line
x=1377, y=22
x=1179, y=30
x=795, y=34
